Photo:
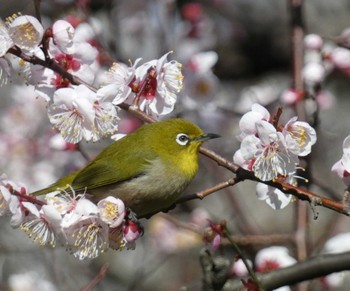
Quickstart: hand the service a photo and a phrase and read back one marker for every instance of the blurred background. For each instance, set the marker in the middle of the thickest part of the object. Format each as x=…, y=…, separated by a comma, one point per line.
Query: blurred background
x=234, y=53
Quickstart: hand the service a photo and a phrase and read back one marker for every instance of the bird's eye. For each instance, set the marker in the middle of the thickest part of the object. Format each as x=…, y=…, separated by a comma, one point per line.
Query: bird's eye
x=182, y=139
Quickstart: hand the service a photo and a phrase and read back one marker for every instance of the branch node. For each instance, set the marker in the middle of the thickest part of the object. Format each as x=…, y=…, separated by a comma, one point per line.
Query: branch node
x=346, y=201
x=314, y=201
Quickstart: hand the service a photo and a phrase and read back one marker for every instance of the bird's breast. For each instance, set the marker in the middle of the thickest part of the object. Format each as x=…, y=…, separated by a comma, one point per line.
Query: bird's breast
x=157, y=188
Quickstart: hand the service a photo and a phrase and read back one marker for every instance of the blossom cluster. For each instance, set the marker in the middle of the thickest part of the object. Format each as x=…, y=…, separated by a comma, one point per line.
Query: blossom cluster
x=86, y=229
x=76, y=109
x=321, y=58
x=272, y=151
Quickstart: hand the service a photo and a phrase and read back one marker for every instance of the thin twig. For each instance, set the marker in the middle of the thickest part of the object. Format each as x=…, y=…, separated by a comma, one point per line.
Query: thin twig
x=37, y=4
x=25, y=197
x=258, y=240
x=204, y=193
x=99, y=277
x=242, y=256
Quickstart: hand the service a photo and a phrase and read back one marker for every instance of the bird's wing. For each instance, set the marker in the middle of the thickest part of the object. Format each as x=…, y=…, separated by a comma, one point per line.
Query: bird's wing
x=106, y=171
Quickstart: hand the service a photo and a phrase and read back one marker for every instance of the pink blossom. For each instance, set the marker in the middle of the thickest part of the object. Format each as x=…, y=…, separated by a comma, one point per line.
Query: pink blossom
x=341, y=57
x=239, y=269
x=79, y=62
x=342, y=167
x=132, y=231
x=313, y=42
x=290, y=97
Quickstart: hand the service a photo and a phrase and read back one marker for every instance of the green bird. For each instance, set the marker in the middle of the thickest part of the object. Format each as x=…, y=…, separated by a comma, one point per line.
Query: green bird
x=147, y=169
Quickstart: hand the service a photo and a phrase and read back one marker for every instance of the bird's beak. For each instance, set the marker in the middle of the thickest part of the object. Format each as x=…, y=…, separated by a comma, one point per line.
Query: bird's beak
x=206, y=136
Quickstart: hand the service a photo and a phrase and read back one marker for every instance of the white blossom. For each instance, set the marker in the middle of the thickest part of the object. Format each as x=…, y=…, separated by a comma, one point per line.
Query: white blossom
x=78, y=113
x=299, y=137
x=25, y=31
x=112, y=211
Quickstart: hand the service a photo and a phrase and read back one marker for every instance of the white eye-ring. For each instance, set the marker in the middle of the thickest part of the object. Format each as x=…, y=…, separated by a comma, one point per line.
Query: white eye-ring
x=182, y=139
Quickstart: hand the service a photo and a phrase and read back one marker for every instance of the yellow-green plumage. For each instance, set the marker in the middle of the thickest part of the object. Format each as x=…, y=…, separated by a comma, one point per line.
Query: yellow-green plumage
x=148, y=169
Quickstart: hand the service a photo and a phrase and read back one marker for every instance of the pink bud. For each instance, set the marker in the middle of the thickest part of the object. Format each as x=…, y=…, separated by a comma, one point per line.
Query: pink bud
x=132, y=231
x=313, y=42
x=215, y=244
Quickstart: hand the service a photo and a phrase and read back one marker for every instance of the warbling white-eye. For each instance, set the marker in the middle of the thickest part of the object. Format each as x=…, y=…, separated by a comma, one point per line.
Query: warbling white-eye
x=148, y=169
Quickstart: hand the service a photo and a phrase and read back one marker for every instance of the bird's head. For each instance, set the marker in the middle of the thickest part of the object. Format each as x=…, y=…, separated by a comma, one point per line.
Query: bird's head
x=178, y=140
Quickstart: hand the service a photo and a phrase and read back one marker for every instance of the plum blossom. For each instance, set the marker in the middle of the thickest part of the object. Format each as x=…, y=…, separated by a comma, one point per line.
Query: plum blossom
x=25, y=31
x=5, y=71
x=271, y=157
x=79, y=64
x=5, y=199
x=89, y=229
x=63, y=33
x=273, y=197
x=299, y=137
x=41, y=224
x=340, y=57
x=9, y=203
x=313, y=73
x=86, y=235
x=76, y=57
x=6, y=41
x=5, y=195
x=79, y=209
x=200, y=83
x=30, y=281
x=112, y=211
x=87, y=238
x=336, y=245
x=239, y=269
x=247, y=123
x=78, y=113
x=272, y=258
x=290, y=96
x=169, y=238
x=313, y=42
x=271, y=151
x=342, y=167
x=117, y=82
x=157, y=82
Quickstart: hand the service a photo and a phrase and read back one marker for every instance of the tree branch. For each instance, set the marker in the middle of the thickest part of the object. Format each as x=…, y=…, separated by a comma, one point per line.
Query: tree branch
x=221, y=161
x=312, y=268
